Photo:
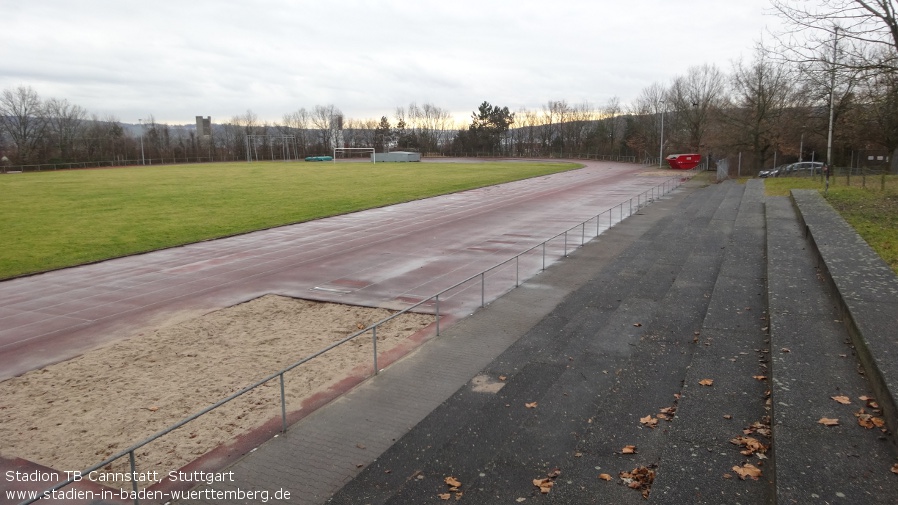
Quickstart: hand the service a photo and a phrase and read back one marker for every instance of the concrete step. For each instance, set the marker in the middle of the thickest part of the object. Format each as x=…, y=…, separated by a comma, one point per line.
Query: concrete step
x=697, y=464
x=813, y=361
x=611, y=353
x=866, y=289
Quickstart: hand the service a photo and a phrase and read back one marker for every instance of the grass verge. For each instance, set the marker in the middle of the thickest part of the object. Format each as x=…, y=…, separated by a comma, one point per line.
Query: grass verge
x=58, y=219
x=870, y=206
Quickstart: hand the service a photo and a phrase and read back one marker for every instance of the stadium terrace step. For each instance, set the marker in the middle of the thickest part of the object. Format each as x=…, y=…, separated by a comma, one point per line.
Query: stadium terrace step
x=724, y=389
x=815, y=372
x=866, y=290
x=611, y=353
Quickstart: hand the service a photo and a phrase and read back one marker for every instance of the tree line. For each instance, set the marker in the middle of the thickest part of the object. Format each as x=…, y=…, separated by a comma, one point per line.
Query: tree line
x=834, y=88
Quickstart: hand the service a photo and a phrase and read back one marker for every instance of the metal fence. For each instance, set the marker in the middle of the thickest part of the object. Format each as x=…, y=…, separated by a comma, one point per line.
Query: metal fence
x=572, y=238
x=75, y=165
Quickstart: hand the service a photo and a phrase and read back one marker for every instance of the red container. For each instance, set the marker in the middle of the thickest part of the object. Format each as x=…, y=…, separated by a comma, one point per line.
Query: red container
x=684, y=161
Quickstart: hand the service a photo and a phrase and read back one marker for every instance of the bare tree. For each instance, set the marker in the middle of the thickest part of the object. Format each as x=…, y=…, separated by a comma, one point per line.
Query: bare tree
x=646, y=111
x=362, y=132
x=104, y=139
x=555, y=113
x=695, y=98
x=869, y=28
x=65, y=124
x=763, y=93
x=425, y=125
x=614, y=125
x=879, y=99
x=297, y=123
x=23, y=119
x=324, y=119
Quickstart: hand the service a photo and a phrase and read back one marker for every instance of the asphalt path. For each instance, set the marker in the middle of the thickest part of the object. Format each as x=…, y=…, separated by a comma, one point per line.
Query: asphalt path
x=388, y=257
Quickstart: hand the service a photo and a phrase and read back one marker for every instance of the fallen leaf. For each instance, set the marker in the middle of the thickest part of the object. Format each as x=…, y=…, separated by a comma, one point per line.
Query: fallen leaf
x=153, y=408
x=606, y=477
x=502, y=377
x=727, y=476
x=866, y=398
x=828, y=422
x=868, y=421
x=752, y=445
x=360, y=326
x=452, y=482
x=530, y=405
x=759, y=377
x=458, y=495
x=706, y=382
x=445, y=496
x=786, y=349
x=637, y=324
x=895, y=468
x=844, y=400
x=649, y=421
x=747, y=470
x=727, y=416
x=544, y=485
x=640, y=479
x=629, y=449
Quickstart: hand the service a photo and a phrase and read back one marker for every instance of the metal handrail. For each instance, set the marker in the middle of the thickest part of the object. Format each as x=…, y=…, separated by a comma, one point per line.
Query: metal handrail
x=650, y=195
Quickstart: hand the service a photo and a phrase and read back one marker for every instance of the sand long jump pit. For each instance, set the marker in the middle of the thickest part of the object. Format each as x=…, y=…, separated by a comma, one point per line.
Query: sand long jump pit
x=75, y=414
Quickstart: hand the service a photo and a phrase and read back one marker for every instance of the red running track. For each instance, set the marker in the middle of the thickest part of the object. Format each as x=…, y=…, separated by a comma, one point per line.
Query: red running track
x=387, y=257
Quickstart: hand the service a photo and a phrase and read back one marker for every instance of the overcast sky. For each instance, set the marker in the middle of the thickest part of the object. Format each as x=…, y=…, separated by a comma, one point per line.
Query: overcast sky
x=179, y=59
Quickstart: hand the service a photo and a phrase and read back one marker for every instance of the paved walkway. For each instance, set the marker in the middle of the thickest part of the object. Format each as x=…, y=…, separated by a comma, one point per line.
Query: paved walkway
x=383, y=257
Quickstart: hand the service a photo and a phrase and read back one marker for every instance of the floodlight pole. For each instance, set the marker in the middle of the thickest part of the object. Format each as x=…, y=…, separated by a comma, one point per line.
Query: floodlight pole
x=832, y=94
x=143, y=160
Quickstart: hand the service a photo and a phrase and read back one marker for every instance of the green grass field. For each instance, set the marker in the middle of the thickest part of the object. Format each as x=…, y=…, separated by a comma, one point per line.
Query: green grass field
x=58, y=219
x=870, y=206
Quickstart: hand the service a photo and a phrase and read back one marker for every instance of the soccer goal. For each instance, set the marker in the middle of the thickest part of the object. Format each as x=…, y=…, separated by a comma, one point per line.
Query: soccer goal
x=350, y=149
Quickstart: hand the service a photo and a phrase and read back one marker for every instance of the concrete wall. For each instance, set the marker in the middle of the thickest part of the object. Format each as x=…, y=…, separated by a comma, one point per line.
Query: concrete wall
x=397, y=156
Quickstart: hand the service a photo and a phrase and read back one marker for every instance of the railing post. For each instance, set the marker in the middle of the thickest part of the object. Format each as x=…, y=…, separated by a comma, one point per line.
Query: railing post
x=374, y=340
x=482, y=289
x=517, y=271
x=582, y=233
x=598, y=226
x=133, y=476
x=565, y=244
x=283, y=406
x=438, y=314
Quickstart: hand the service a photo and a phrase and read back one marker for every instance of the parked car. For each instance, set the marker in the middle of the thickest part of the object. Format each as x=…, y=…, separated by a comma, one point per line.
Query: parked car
x=801, y=168
x=772, y=172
